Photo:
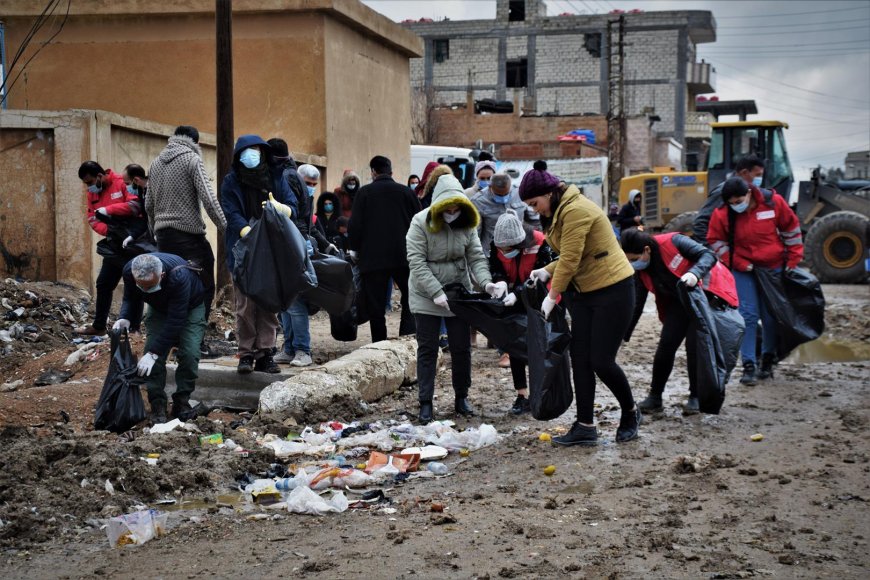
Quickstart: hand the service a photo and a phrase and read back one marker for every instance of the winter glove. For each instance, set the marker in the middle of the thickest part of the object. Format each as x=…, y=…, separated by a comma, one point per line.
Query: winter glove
x=689, y=280
x=331, y=249
x=245, y=231
x=547, y=307
x=126, y=241
x=497, y=289
x=540, y=274
x=102, y=214
x=354, y=256
x=510, y=299
x=121, y=324
x=441, y=300
x=279, y=207
x=146, y=363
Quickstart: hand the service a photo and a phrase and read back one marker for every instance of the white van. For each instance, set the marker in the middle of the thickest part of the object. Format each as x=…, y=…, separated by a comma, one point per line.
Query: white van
x=462, y=160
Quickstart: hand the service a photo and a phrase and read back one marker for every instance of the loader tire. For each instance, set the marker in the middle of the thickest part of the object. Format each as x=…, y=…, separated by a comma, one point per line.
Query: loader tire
x=682, y=224
x=836, y=247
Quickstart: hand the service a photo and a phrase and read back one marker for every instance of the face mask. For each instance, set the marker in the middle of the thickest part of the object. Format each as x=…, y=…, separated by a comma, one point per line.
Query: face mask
x=511, y=254
x=740, y=207
x=250, y=158
x=152, y=290
x=327, y=207
x=310, y=191
x=351, y=186
x=452, y=217
x=131, y=189
x=483, y=183
x=95, y=188
x=756, y=181
x=640, y=264
x=502, y=198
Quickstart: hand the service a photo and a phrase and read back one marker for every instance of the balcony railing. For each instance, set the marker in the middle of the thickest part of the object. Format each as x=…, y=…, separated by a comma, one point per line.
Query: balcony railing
x=698, y=124
x=701, y=77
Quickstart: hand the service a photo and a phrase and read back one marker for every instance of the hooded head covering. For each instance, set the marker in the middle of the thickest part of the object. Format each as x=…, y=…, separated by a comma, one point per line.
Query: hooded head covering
x=538, y=182
x=508, y=231
x=426, y=173
x=448, y=191
x=348, y=175
x=632, y=195
x=484, y=165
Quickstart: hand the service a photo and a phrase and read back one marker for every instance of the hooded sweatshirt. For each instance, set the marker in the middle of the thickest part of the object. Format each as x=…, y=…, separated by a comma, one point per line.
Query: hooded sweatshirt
x=345, y=195
x=440, y=253
x=626, y=215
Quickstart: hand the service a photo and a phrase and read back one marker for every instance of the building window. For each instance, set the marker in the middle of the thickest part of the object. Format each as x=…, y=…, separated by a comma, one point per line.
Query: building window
x=442, y=49
x=516, y=10
x=517, y=73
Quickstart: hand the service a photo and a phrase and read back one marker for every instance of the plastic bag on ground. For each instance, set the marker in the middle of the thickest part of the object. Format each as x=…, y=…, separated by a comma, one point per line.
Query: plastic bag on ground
x=137, y=528
x=335, y=291
x=549, y=342
x=717, y=334
x=338, y=477
x=796, y=301
x=120, y=406
x=304, y=501
x=284, y=448
x=472, y=438
x=505, y=326
x=271, y=263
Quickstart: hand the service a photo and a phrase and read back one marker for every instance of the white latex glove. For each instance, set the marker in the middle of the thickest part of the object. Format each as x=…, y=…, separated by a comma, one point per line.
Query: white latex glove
x=146, y=363
x=689, y=280
x=353, y=255
x=497, y=289
x=331, y=249
x=540, y=274
x=126, y=241
x=749, y=268
x=102, y=211
x=441, y=300
x=510, y=299
x=121, y=324
x=547, y=307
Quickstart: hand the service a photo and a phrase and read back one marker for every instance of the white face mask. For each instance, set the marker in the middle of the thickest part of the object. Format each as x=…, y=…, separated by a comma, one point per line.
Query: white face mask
x=452, y=217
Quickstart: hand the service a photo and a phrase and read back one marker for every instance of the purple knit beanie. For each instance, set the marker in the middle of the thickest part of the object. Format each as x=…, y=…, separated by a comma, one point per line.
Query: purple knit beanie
x=538, y=182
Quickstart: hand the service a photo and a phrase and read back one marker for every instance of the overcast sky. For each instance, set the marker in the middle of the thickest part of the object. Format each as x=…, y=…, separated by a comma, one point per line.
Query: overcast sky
x=804, y=62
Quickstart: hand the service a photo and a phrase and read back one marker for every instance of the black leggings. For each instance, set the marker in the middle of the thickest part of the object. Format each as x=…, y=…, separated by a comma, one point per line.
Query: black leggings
x=599, y=320
x=518, y=372
x=674, y=330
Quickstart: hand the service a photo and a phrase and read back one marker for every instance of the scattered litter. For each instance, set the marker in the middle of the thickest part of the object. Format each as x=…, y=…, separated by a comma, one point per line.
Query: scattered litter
x=164, y=427
x=437, y=468
x=110, y=489
x=137, y=528
x=52, y=377
x=214, y=439
x=11, y=386
x=304, y=501
x=427, y=453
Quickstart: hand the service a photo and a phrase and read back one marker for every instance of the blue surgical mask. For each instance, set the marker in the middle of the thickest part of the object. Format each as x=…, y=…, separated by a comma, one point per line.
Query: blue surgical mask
x=501, y=198
x=740, y=207
x=152, y=290
x=756, y=181
x=483, y=183
x=327, y=207
x=310, y=190
x=95, y=188
x=131, y=189
x=250, y=158
x=511, y=254
x=640, y=264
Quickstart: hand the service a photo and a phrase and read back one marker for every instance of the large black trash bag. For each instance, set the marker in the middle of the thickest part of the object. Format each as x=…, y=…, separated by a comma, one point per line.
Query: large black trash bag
x=335, y=290
x=795, y=299
x=271, y=263
x=343, y=327
x=717, y=334
x=504, y=326
x=120, y=406
x=549, y=343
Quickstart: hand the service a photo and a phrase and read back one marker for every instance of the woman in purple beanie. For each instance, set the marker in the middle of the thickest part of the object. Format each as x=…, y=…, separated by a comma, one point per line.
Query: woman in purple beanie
x=596, y=282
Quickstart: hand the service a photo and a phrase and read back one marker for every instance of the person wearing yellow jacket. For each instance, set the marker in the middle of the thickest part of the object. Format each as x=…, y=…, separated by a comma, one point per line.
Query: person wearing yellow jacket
x=596, y=282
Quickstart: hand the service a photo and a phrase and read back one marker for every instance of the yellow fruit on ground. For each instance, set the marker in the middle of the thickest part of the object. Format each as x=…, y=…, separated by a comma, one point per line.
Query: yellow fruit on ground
x=549, y=470
x=464, y=453
x=757, y=437
x=544, y=437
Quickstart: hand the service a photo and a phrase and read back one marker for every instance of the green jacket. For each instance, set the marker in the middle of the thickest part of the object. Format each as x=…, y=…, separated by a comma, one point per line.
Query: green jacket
x=440, y=254
x=589, y=253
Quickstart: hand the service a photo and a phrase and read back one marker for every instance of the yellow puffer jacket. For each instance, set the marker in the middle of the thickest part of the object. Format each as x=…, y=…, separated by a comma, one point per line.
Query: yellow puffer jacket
x=589, y=253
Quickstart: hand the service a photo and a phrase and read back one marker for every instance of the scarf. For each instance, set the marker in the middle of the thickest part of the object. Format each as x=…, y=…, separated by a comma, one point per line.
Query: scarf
x=256, y=184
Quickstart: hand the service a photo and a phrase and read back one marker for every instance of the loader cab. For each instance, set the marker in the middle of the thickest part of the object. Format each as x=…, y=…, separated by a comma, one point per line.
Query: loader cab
x=766, y=139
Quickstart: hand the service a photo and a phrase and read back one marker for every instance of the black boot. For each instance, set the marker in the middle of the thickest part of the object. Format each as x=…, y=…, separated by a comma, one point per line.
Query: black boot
x=180, y=409
x=651, y=403
x=521, y=405
x=628, y=425
x=267, y=364
x=691, y=407
x=426, y=412
x=158, y=413
x=246, y=365
x=462, y=407
x=748, y=378
x=768, y=361
x=578, y=435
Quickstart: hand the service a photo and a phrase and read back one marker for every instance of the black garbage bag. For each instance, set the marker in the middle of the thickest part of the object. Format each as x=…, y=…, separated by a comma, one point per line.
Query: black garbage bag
x=362, y=313
x=795, y=299
x=504, y=326
x=335, y=290
x=549, y=342
x=120, y=406
x=717, y=334
x=343, y=327
x=271, y=263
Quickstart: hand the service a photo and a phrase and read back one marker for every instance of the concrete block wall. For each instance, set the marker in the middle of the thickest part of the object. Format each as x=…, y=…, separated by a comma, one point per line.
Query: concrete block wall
x=569, y=100
x=479, y=55
x=562, y=58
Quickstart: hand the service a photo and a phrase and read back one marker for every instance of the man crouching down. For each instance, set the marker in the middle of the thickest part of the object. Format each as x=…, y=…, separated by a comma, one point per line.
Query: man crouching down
x=176, y=317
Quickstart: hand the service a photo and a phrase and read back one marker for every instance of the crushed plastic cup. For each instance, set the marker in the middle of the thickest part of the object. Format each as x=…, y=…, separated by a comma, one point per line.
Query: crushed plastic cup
x=437, y=468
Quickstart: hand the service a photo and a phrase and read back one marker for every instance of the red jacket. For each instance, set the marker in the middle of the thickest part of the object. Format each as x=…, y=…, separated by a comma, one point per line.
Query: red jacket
x=520, y=268
x=767, y=235
x=115, y=198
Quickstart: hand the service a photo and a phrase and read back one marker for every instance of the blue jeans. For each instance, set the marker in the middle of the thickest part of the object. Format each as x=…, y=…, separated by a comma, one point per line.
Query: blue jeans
x=294, y=321
x=752, y=308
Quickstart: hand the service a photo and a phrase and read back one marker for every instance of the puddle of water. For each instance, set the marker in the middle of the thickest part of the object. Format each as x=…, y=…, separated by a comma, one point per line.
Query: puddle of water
x=229, y=500
x=830, y=350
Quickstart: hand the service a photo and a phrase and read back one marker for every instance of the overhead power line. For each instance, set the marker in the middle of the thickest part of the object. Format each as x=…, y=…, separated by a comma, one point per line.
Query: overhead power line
x=839, y=29
x=779, y=26
x=758, y=16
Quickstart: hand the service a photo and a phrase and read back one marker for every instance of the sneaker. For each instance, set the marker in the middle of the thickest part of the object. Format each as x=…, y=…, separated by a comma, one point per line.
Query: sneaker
x=651, y=403
x=301, y=360
x=521, y=405
x=89, y=330
x=691, y=407
x=266, y=364
x=578, y=435
x=442, y=343
x=505, y=361
x=768, y=361
x=628, y=425
x=749, y=378
x=284, y=358
x=246, y=365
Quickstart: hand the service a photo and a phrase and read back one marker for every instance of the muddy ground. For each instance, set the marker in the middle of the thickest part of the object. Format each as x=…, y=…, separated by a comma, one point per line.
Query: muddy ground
x=693, y=497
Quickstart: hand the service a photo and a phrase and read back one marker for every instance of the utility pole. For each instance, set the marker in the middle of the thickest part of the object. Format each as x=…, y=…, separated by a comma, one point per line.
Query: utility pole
x=616, y=129
x=224, y=125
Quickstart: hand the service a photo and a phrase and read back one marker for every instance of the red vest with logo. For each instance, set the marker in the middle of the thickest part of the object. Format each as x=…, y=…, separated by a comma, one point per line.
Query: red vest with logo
x=520, y=268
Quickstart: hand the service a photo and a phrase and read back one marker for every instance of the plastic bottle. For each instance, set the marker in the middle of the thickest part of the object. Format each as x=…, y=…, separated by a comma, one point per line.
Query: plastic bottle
x=437, y=468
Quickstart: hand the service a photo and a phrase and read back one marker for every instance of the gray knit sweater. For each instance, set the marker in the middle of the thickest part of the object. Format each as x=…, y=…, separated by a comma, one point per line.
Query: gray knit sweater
x=178, y=188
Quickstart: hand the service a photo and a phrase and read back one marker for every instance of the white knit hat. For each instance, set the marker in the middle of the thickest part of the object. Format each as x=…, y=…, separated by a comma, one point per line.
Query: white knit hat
x=508, y=231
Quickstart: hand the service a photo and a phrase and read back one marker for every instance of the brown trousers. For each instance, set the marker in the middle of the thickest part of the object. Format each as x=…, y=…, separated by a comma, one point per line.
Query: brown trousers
x=255, y=327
